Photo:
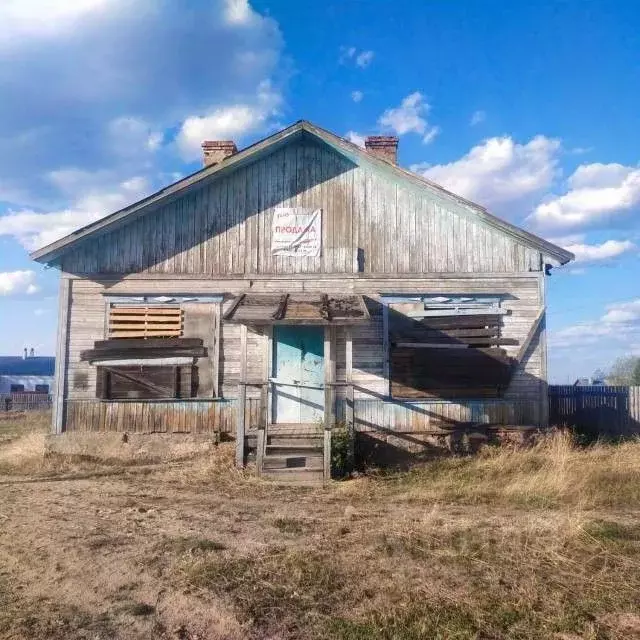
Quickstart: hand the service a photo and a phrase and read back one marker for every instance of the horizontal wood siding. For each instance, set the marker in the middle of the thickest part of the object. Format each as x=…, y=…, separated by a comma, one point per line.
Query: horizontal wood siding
x=522, y=404
x=224, y=227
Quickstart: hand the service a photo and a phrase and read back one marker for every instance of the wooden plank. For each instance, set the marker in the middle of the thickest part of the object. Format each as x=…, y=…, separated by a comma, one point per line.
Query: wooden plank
x=234, y=305
x=62, y=356
x=144, y=343
x=349, y=407
x=281, y=311
x=426, y=333
x=242, y=399
x=385, y=344
x=151, y=333
x=327, y=455
x=115, y=312
x=215, y=349
x=146, y=326
x=533, y=331
x=460, y=343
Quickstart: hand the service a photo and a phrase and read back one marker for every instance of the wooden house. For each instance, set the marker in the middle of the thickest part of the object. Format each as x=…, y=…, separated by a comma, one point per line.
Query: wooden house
x=296, y=285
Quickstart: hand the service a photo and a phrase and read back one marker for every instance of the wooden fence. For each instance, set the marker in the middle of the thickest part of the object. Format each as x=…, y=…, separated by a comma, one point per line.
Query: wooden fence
x=600, y=411
x=25, y=401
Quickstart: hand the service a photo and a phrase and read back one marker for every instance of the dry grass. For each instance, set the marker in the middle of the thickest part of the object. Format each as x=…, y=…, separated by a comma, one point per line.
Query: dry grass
x=525, y=544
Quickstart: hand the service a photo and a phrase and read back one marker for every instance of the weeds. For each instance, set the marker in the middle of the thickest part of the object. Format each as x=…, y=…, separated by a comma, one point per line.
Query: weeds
x=278, y=588
x=289, y=525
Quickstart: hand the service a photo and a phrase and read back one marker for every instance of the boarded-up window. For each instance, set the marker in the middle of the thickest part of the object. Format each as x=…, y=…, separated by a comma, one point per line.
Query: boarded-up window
x=447, y=349
x=145, y=321
x=146, y=382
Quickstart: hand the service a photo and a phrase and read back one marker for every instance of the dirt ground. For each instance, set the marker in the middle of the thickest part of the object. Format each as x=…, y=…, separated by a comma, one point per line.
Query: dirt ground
x=191, y=548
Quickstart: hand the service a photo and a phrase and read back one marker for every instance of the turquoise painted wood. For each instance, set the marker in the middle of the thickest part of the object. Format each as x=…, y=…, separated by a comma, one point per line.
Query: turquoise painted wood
x=298, y=373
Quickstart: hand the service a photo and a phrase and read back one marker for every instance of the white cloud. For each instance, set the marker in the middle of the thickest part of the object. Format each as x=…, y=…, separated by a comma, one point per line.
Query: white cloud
x=477, y=118
x=625, y=313
x=595, y=194
x=93, y=200
x=499, y=173
x=431, y=134
x=620, y=324
x=239, y=12
x=23, y=19
x=361, y=59
x=130, y=136
x=600, y=252
x=18, y=282
x=229, y=122
x=357, y=96
x=364, y=58
x=409, y=117
x=112, y=77
x=356, y=138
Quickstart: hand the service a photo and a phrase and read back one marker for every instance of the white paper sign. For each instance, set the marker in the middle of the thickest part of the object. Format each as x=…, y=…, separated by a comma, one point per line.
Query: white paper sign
x=296, y=232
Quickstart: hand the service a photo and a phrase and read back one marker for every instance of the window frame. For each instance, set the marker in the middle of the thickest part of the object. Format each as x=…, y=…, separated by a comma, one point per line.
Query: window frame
x=435, y=305
x=213, y=340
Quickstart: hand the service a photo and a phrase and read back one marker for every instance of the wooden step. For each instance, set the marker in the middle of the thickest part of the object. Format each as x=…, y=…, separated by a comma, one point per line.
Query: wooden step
x=295, y=476
x=287, y=450
x=293, y=441
x=292, y=462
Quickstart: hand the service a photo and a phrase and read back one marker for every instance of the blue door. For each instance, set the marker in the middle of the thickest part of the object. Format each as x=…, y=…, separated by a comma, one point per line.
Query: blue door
x=298, y=372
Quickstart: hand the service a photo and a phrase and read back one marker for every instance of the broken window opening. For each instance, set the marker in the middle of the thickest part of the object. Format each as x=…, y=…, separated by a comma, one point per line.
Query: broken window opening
x=447, y=347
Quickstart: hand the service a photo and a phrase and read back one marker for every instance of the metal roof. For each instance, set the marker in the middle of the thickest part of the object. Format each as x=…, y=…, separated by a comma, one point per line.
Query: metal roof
x=50, y=253
x=35, y=366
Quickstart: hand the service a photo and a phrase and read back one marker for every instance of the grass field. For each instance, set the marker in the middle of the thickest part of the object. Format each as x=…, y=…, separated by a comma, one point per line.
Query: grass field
x=537, y=543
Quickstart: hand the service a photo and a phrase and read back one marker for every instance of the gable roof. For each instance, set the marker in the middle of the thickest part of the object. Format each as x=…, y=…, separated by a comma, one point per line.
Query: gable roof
x=52, y=252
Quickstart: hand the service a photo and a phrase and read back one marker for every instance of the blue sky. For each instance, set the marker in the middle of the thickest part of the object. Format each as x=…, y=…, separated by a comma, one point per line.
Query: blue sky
x=527, y=108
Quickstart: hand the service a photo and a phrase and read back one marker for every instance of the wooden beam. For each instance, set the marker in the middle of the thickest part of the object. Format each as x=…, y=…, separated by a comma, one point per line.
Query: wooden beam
x=242, y=399
x=325, y=311
x=62, y=352
x=234, y=305
x=281, y=311
x=537, y=323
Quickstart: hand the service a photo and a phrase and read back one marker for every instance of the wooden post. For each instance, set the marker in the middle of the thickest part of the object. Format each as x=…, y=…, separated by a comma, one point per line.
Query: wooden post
x=544, y=375
x=349, y=408
x=329, y=390
x=262, y=427
x=385, y=347
x=242, y=398
x=62, y=352
x=215, y=351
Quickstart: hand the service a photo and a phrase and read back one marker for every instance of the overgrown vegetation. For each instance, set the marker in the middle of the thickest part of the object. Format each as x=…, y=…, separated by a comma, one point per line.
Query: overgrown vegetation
x=340, y=451
x=511, y=543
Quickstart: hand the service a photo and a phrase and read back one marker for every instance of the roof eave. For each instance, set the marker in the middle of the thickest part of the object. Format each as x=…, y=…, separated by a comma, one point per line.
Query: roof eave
x=50, y=253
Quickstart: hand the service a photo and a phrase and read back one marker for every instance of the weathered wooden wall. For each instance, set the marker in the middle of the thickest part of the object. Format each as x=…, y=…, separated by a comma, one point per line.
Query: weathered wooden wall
x=524, y=402
x=128, y=416
x=224, y=227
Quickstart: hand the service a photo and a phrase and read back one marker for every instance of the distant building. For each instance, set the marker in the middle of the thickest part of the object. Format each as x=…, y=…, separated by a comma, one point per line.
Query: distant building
x=589, y=382
x=26, y=374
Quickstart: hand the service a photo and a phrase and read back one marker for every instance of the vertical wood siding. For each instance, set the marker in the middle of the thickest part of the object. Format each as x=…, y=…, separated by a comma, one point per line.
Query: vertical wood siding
x=224, y=227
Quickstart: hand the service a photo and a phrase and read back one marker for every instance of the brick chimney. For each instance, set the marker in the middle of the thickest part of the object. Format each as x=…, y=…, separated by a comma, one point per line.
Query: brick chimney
x=215, y=151
x=385, y=147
